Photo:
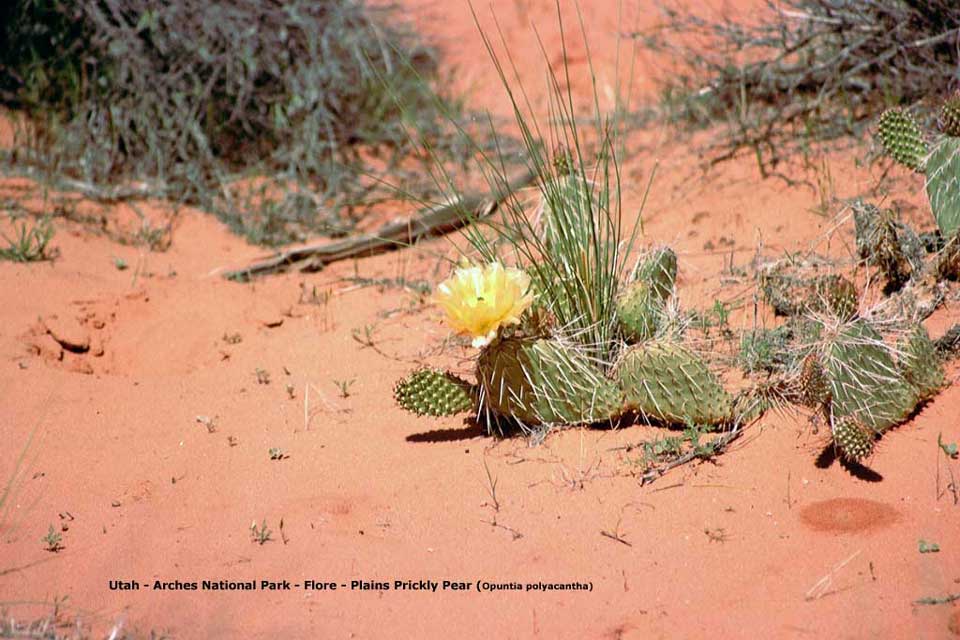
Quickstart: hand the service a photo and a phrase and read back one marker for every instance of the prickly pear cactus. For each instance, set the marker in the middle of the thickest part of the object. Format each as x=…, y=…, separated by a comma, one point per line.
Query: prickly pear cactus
x=543, y=381
x=920, y=363
x=432, y=392
x=943, y=184
x=640, y=306
x=902, y=138
x=665, y=381
x=853, y=440
x=865, y=382
x=949, y=117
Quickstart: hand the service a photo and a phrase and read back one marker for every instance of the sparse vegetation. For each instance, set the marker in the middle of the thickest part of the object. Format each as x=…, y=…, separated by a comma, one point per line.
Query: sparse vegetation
x=343, y=386
x=807, y=71
x=30, y=244
x=260, y=534
x=53, y=540
x=282, y=130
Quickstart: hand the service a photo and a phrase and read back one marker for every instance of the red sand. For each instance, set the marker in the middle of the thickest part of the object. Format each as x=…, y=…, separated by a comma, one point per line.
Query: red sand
x=761, y=543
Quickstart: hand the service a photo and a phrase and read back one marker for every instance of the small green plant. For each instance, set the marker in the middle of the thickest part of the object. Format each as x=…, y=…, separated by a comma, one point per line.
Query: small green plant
x=120, y=264
x=53, y=540
x=927, y=547
x=365, y=336
x=764, y=349
x=949, y=449
x=343, y=386
x=260, y=533
x=29, y=245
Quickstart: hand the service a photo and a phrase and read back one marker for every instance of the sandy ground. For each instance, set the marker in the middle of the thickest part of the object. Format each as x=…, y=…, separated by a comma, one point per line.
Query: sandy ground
x=760, y=543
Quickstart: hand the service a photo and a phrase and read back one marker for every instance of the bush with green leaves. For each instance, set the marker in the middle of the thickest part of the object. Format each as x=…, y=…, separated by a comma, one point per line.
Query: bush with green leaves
x=191, y=97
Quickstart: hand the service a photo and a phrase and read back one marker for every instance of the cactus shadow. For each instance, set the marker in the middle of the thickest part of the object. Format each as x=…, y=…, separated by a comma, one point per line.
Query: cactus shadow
x=471, y=429
x=829, y=456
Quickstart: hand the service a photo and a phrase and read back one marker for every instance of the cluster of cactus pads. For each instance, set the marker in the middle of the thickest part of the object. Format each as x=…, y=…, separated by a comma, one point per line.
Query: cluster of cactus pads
x=828, y=356
x=536, y=378
x=904, y=140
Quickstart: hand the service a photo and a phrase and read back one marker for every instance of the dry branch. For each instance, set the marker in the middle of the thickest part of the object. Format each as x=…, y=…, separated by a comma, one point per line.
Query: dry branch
x=433, y=220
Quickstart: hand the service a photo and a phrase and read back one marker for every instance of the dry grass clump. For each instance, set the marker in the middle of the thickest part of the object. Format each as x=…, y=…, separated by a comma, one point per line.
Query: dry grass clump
x=189, y=97
x=806, y=70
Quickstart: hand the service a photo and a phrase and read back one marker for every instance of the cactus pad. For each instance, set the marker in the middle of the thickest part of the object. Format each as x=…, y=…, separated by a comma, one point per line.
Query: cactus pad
x=949, y=118
x=541, y=381
x=865, y=383
x=639, y=310
x=641, y=305
x=920, y=363
x=659, y=268
x=434, y=393
x=943, y=185
x=665, y=381
x=813, y=383
x=837, y=295
x=853, y=441
x=902, y=139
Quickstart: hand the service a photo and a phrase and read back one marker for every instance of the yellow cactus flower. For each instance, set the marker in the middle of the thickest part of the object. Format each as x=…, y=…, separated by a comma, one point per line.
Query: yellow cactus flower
x=479, y=300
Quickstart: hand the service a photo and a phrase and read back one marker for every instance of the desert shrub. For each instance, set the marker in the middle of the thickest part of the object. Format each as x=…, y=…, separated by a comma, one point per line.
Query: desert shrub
x=807, y=70
x=191, y=97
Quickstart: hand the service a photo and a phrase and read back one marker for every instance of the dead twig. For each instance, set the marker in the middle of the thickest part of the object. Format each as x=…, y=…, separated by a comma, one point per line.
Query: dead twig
x=434, y=220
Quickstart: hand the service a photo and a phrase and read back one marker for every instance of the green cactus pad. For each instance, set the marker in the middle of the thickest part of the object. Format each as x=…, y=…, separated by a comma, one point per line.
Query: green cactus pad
x=639, y=311
x=813, y=384
x=434, y=393
x=920, y=363
x=865, y=383
x=664, y=381
x=949, y=119
x=542, y=381
x=837, y=295
x=902, y=139
x=853, y=441
x=640, y=306
x=943, y=185
x=659, y=269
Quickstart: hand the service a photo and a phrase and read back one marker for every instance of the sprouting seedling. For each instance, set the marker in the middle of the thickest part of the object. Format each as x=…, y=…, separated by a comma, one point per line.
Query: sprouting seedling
x=263, y=376
x=30, y=245
x=365, y=337
x=120, y=264
x=53, y=540
x=276, y=453
x=260, y=534
x=927, y=547
x=949, y=449
x=291, y=391
x=344, y=386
